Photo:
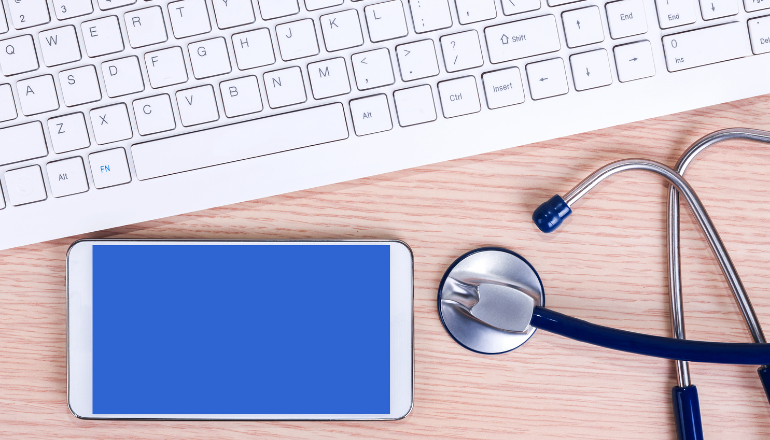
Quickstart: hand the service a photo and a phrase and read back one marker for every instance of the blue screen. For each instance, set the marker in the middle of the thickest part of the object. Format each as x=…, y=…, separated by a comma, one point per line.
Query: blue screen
x=241, y=329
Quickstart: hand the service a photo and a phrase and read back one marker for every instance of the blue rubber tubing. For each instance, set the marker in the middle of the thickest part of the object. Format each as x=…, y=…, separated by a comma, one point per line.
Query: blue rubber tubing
x=687, y=413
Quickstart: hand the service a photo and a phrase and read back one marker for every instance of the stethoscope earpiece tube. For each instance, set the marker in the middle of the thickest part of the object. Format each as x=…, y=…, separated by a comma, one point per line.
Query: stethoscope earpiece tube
x=687, y=413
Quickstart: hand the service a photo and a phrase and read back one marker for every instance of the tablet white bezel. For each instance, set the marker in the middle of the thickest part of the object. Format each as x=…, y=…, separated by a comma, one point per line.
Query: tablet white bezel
x=79, y=332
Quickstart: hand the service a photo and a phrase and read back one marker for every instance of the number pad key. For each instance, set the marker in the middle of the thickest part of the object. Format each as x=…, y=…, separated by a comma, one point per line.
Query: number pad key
x=461, y=51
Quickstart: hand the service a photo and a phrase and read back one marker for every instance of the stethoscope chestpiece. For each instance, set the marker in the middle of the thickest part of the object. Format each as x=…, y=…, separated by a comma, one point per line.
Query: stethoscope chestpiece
x=486, y=300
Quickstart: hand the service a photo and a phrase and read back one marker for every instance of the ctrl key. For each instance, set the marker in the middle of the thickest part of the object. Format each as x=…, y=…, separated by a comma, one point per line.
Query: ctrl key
x=25, y=185
x=109, y=168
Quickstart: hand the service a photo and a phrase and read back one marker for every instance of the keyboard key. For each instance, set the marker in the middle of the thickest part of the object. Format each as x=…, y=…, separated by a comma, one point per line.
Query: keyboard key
x=253, y=49
x=634, y=61
x=165, y=67
x=503, y=87
x=65, y=9
x=472, y=11
x=105, y=5
x=706, y=46
x=154, y=115
x=209, y=58
x=313, y=5
x=241, y=96
x=7, y=106
x=371, y=115
x=102, y=36
x=561, y=2
x=583, y=26
x=2, y=199
x=59, y=46
x=67, y=177
x=197, y=105
x=146, y=27
x=122, y=76
x=3, y=29
x=373, y=69
x=232, y=13
x=328, y=78
x=191, y=151
x=672, y=13
x=414, y=105
x=297, y=39
x=386, y=21
x=626, y=18
x=591, y=69
x=111, y=124
x=755, y=5
x=189, y=17
x=341, y=30
x=270, y=9
x=28, y=13
x=547, y=79
x=417, y=60
x=22, y=142
x=25, y=185
x=18, y=55
x=522, y=39
x=68, y=133
x=79, y=86
x=459, y=97
x=109, y=168
x=37, y=95
x=759, y=33
x=711, y=9
x=461, y=51
x=430, y=15
x=284, y=87
x=511, y=7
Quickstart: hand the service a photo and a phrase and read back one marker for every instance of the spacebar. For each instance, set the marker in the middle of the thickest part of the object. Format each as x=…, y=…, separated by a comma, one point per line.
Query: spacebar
x=240, y=141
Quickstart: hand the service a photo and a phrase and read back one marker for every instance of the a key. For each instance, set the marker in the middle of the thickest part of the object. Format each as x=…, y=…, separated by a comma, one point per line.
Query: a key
x=472, y=11
x=328, y=78
x=461, y=51
x=297, y=39
x=28, y=13
x=591, y=69
x=3, y=29
x=122, y=77
x=232, y=13
x=59, y=46
x=342, y=30
x=417, y=60
x=7, y=106
x=109, y=168
x=102, y=36
x=105, y=5
x=711, y=9
x=626, y=18
x=197, y=105
x=583, y=26
x=459, y=97
x=111, y=124
x=146, y=27
x=430, y=15
x=755, y=5
x=253, y=49
x=313, y=5
x=22, y=142
x=371, y=115
x=511, y=7
x=154, y=115
x=270, y=9
x=672, y=13
x=17, y=55
x=386, y=21
x=414, y=105
x=189, y=17
x=759, y=33
x=65, y=9
x=284, y=87
x=503, y=87
x=67, y=177
x=209, y=58
x=373, y=69
x=68, y=133
x=634, y=61
x=241, y=96
x=25, y=185
x=165, y=67
x=79, y=86
x=37, y=95
x=547, y=79
x=706, y=46
x=522, y=39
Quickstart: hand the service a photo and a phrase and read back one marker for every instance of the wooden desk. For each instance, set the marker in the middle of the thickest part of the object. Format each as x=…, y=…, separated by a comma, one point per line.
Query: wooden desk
x=607, y=265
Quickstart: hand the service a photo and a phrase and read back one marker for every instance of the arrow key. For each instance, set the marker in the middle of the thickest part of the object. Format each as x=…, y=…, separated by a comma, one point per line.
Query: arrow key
x=591, y=69
x=547, y=78
x=583, y=26
x=634, y=61
x=417, y=60
x=711, y=9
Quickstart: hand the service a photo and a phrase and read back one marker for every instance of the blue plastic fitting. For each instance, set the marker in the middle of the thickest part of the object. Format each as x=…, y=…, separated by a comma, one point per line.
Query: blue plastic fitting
x=550, y=214
x=687, y=413
x=764, y=376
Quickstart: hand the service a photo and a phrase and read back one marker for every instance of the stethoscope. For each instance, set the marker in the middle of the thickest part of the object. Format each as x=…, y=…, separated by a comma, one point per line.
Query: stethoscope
x=491, y=300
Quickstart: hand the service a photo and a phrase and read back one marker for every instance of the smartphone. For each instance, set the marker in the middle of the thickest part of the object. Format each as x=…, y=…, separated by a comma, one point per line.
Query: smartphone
x=240, y=330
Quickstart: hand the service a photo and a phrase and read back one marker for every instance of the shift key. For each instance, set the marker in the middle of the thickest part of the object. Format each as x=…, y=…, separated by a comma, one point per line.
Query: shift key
x=706, y=46
x=522, y=39
x=22, y=142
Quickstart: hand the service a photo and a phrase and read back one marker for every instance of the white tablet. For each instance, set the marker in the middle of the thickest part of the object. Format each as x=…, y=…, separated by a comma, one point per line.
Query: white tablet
x=240, y=330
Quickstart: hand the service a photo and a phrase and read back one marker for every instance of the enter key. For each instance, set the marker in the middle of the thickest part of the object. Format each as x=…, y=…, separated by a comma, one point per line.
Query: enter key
x=706, y=46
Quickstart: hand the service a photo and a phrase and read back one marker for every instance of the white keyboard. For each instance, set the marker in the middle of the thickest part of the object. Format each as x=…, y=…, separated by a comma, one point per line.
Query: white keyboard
x=120, y=111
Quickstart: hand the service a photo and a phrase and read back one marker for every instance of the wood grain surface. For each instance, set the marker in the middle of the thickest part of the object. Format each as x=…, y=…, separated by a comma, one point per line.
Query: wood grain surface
x=607, y=265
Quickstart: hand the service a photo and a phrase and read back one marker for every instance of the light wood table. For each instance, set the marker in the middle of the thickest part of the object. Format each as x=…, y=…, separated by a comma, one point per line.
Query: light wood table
x=607, y=265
